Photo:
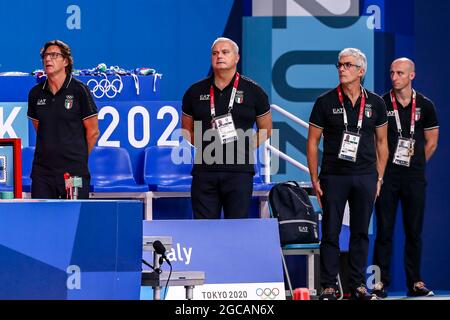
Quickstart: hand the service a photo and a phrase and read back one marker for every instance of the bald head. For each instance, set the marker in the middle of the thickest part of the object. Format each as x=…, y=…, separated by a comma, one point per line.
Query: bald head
x=402, y=74
x=406, y=62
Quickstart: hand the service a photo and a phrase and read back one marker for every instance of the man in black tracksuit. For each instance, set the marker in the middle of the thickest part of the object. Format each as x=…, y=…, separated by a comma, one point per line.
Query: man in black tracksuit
x=219, y=113
x=412, y=137
x=353, y=122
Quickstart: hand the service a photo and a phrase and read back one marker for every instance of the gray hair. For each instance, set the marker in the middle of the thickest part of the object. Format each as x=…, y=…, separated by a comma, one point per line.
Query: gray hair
x=223, y=39
x=361, y=59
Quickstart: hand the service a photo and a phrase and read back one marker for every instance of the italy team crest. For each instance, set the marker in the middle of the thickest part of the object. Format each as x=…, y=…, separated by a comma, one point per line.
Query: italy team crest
x=418, y=114
x=239, y=97
x=69, y=102
x=368, y=111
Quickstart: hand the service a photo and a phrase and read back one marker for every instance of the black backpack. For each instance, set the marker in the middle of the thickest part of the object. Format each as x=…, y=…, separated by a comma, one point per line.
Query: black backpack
x=290, y=204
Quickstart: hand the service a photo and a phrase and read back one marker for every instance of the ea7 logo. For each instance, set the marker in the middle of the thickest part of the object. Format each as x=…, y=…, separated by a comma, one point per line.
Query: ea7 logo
x=391, y=113
x=204, y=97
x=303, y=229
x=338, y=110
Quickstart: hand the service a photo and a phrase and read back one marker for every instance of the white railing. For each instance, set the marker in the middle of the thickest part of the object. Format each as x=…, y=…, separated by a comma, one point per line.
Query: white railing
x=271, y=149
x=290, y=116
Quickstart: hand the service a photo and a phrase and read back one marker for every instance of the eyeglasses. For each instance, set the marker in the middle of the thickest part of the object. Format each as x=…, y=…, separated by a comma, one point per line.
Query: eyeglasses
x=52, y=55
x=346, y=65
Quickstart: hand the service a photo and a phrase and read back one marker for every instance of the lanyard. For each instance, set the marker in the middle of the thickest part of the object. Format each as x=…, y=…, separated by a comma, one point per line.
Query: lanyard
x=361, y=107
x=413, y=113
x=230, y=104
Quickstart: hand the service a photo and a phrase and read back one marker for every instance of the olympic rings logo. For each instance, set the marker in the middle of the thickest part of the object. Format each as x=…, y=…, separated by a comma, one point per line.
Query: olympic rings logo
x=104, y=87
x=267, y=293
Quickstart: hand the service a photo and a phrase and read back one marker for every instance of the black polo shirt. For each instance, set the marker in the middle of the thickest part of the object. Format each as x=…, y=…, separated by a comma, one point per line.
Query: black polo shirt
x=61, y=144
x=327, y=114
x=250, y=102
x=426, y=119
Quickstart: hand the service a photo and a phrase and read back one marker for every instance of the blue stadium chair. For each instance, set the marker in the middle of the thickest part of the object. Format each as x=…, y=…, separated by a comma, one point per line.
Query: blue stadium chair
x=168, y=179
x=166, y=173
x=27, y=164
x=112, y=177
x=165, y=177
x=111, y=171
x=258, y=182
x=261, y=190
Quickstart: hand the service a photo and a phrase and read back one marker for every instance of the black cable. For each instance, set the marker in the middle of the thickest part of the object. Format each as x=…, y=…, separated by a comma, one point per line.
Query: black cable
x=146, y=263
x=157, y=270
x=167, y=283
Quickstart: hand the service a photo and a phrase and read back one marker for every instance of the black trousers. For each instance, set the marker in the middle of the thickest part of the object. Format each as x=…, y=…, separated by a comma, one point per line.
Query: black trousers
x=411, y=194
x=360, y=192
x=53, y=187
x=212, y=191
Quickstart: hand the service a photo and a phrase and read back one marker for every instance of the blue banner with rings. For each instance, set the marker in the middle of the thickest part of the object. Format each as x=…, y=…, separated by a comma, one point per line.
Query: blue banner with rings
x=130, y=115
x=123, y=88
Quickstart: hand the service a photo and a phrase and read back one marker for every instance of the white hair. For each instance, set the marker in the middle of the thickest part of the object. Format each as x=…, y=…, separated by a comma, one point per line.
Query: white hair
x=223, y=39
x=360, y=57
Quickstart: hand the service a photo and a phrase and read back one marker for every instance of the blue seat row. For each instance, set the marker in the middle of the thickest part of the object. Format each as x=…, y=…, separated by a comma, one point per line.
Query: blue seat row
x=166, y=169
x=111, y=171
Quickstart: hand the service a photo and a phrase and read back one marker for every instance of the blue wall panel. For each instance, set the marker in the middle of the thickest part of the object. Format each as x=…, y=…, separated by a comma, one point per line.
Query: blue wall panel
x=172, y=36
x=70, y=249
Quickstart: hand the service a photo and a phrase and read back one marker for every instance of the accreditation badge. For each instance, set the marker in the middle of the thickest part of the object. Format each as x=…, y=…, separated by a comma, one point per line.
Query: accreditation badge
x=225, y=128
x=349, y=146
x=404, y=152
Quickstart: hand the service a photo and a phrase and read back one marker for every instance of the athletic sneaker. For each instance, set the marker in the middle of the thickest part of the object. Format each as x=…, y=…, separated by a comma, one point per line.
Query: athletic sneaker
x=361, y=293
x=379, y=291
x=419, y=290
x=328, y=294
